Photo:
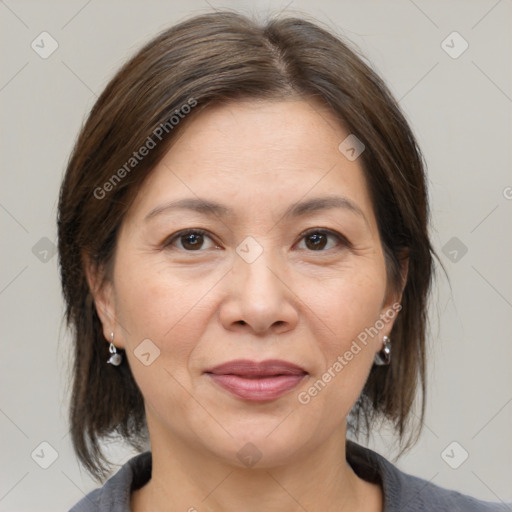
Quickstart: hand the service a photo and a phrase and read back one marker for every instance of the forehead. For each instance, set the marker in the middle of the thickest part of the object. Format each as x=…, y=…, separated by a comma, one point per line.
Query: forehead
x=252, y=154
x=263, y=136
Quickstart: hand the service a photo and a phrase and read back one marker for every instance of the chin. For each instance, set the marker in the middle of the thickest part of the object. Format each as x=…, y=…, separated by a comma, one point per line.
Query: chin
x=260, y=446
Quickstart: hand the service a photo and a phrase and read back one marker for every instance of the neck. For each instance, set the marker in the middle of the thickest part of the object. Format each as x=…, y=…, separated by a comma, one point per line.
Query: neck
x=185, y=479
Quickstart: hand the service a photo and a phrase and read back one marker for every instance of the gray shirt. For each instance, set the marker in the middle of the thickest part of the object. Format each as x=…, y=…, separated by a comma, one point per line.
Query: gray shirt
x=402, y=492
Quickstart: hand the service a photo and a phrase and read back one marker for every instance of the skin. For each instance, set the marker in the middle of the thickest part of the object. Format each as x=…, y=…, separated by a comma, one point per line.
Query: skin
x=206, y=305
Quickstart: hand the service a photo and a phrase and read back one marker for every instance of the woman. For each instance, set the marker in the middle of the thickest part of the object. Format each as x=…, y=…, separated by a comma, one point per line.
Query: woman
x=246, y=264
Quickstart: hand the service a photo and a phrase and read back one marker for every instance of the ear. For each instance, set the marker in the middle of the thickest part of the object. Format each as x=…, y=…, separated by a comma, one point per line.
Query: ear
x=102, y=291
x=392, y=303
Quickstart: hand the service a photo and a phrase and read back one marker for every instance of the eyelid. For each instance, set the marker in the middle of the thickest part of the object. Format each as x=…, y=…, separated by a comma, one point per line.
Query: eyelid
x=199, y=231
x=189, y=231
x=326, y=231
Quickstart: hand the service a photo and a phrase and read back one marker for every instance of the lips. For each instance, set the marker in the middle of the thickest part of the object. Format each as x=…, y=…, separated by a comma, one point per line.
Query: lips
x=257, y=381
x=246, y=368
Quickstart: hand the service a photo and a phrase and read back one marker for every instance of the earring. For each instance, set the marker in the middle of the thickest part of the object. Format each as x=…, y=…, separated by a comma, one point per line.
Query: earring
x=115, y=359
x=383, y=357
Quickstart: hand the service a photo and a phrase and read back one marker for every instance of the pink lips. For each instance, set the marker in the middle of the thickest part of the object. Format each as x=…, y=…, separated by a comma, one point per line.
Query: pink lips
x=255, y=381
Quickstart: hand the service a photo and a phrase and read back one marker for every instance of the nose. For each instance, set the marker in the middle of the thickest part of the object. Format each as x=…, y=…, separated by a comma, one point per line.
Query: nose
x=259, y=298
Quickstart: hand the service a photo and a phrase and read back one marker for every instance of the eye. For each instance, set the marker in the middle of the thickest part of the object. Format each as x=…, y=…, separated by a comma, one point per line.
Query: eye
x=318, y=239
x=191, y=240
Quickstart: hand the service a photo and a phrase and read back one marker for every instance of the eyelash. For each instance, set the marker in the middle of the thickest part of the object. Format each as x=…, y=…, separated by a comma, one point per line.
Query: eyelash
x=198, y=231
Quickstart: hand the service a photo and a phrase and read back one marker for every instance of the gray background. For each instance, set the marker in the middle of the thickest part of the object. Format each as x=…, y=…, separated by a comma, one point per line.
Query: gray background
x=460, y=109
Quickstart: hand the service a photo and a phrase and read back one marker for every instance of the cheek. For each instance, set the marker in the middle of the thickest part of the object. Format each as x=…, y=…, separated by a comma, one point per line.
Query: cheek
x=173, y=308
x=153, y=302
x=170, y=308
x=165, y=309
x=350, y=303
x=350, y=307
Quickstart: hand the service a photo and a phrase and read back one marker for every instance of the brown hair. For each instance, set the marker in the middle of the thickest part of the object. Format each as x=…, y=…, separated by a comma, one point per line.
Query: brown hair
x=208, y=59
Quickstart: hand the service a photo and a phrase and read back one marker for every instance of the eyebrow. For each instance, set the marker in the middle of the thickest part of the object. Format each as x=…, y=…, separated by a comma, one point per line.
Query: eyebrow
x=207, y=207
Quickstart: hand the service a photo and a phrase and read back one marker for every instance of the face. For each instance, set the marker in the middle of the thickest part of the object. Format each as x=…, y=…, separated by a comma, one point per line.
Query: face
x=284, y=264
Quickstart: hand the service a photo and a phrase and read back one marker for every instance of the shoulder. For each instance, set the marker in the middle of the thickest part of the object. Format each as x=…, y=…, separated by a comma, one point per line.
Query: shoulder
x=89, y=502
x=418, y=494
x=115, y=494
x=408, y=493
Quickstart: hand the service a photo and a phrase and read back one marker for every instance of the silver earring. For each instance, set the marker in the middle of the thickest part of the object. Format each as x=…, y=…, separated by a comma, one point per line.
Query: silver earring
x=383, y=357
x=115, y=359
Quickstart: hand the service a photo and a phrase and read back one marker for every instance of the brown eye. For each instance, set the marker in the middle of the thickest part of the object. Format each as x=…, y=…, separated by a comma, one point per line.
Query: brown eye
x=318, y=240
x=190, y=240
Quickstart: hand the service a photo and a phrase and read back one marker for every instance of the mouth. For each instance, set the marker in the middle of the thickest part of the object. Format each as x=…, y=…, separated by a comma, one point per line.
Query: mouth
x=263, y=381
